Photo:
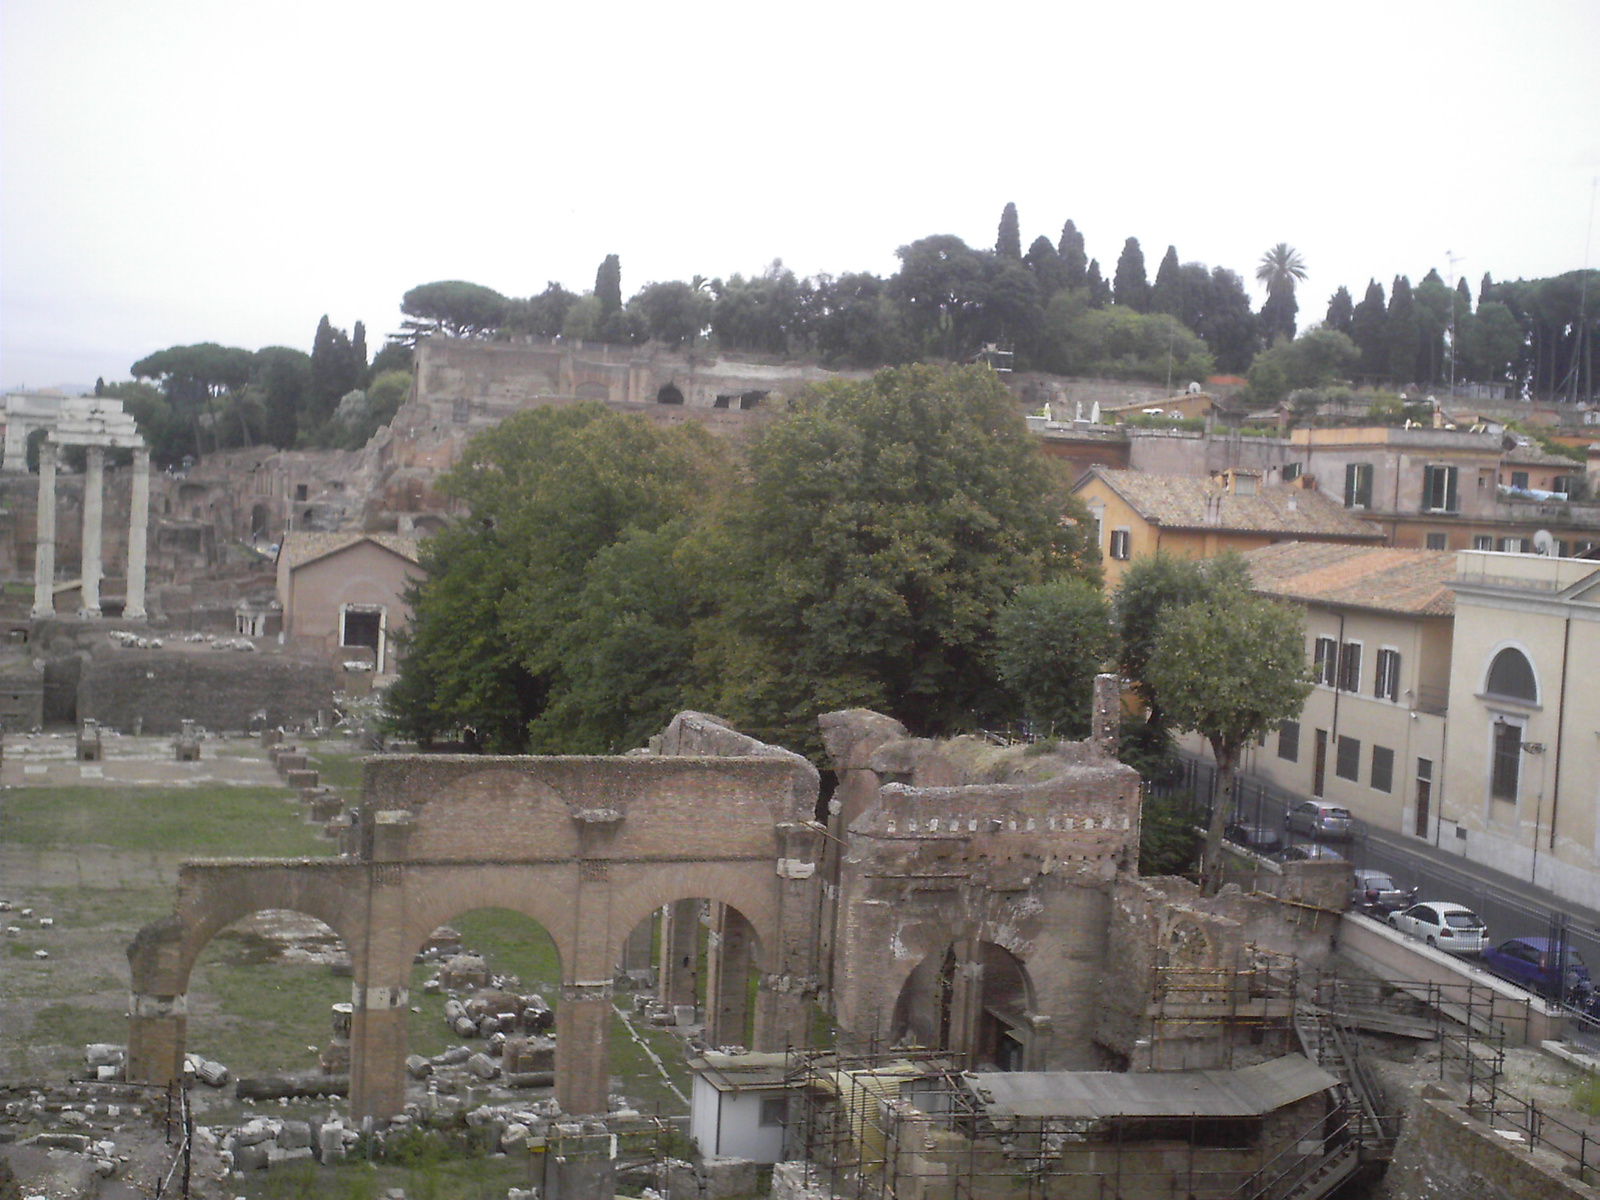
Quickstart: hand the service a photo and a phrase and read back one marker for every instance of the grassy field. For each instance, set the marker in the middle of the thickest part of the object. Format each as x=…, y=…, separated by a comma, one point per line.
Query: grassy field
x=102, y=862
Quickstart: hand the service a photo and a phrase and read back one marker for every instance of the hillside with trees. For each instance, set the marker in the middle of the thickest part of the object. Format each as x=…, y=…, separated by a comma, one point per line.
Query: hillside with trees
x=1052, y=305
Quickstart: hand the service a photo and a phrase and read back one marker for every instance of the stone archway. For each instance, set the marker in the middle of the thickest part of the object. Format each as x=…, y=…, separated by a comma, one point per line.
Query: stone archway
x=588, y=847
x=972, y=999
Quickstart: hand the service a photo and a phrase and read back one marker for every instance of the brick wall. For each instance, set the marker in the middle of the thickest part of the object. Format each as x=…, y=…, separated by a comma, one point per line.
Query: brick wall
x=223, y=690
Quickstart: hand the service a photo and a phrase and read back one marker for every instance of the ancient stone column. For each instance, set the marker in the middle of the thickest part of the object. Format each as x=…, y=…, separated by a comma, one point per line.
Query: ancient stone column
x=93, y=518
x=44, y=559
x=138, y=528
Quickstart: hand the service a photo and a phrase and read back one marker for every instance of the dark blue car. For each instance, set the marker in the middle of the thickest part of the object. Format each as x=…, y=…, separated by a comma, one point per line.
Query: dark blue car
x=1530, y=962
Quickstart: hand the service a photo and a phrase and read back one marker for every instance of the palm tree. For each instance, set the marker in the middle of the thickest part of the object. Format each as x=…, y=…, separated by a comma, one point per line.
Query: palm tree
x=1280, y=269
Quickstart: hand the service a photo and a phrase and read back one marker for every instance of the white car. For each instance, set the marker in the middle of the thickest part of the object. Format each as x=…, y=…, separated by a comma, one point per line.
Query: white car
x=1445, y=926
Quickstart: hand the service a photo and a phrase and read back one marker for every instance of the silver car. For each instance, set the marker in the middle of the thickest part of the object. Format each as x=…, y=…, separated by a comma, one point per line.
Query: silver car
x=1319, y=821
x=1444, y=926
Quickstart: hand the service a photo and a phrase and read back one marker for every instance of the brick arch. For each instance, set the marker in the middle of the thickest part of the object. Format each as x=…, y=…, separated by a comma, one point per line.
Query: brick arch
x=545, y=902
x=214, y=896
x=747, y=890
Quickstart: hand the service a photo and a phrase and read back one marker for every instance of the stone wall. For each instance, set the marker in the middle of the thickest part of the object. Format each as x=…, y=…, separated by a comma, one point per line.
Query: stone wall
x=223, y=690
x=1444, y=1154
x=973, y=887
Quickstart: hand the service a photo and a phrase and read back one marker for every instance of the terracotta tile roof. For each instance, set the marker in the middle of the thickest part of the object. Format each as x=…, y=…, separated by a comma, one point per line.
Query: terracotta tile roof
x=1185, y=502
x=1380, y=578
x=299, y=547
x=1536, y=456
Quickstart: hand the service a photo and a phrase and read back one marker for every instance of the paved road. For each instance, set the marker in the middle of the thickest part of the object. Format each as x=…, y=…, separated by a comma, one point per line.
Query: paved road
x=1512, y=907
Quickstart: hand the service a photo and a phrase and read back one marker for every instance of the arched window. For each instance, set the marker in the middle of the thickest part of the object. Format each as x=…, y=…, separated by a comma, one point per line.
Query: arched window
x=1511, y=676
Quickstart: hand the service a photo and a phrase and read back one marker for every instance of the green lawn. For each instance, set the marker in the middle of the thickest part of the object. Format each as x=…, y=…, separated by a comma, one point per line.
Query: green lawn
x=202, y=822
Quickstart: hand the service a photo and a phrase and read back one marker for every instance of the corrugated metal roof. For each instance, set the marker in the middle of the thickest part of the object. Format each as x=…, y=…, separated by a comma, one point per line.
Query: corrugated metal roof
x=1250, y=1092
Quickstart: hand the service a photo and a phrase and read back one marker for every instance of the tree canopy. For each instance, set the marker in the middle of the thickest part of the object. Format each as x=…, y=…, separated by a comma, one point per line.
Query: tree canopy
x=454, y=308
x=611, y=573
x=887, y=523
x=1226, y=664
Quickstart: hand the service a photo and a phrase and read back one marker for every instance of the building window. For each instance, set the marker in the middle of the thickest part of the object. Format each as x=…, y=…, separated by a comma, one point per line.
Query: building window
x=1512, y=545
x=1382, y=768
x=1482, y=541
x=1119, y=543
x=1506, y=761
x=774, y=1111
x=1347, y=763
x=1325, y=670
x=1439, y=489
x=1519, y=479
x=1511, y=677
x=1438, y=541
x=1289, y=741
x=1358, y=485
x=1350, y=667
x=1291, y=471
x=1387, y=684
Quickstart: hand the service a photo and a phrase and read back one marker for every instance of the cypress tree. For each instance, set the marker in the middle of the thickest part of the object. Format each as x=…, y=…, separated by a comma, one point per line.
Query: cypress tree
x=1367, y=322
x=1341, y=311
x=608, y=285
x=1167, y=295
x=1048, y=270
x=1009, y=243
x=358, y=349
x=1485, y=289
x=1130, y=287
x=1402, y=333
x=1463, y=297
x=1099, y=289
x=1073, y=256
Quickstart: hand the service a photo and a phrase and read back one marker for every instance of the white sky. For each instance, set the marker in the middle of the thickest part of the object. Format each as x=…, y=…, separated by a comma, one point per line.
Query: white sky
x=175, y=172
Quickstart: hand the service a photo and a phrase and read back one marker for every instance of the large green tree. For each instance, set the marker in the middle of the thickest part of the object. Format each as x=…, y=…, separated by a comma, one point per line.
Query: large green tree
x=1053, y=638
x=608, y=285
x=452, y=308
x=1368, y=321
x=887, y=523
x=1229, y=666
x=554, y=617
x=195, y=379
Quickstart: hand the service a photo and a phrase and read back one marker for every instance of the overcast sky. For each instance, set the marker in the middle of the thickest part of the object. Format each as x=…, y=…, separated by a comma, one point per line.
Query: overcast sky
x=176, y=172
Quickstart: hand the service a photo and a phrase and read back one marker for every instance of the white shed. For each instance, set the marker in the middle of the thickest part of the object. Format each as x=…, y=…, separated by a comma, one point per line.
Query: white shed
x=740, y=1105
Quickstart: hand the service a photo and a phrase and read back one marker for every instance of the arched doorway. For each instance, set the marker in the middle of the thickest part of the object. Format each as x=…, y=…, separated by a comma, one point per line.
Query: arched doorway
x=669, y=394
x=701, y=960
x=262, y=995
x=489, y=962
x=973, y=1000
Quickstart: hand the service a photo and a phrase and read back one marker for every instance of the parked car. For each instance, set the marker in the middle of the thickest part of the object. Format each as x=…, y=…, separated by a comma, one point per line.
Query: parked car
x=1444, y=926
x=1530, y=962
x=1377, y=893
x=1322, y=822
x=1311, y=853
x=1254, y=837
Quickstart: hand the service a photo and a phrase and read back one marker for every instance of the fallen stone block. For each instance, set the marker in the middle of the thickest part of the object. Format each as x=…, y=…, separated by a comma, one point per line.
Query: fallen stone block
x=251, y=1158
x=483, y=1066
x=281, y=1087
x=301, y=777
x=294, y=1135
x=418, y=1067
x=77, y=1143
x=101, y=1054
x=330, y=1144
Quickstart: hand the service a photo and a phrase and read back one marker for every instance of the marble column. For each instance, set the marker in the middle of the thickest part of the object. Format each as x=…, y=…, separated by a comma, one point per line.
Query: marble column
x=93, y=517
x=44, y=558
x=138, y=529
